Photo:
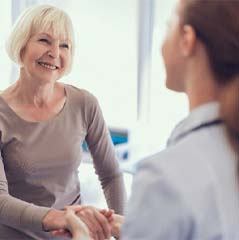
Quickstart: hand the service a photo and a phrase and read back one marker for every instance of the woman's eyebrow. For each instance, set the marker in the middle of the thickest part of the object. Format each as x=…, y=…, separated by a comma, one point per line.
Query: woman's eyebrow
x=45, y=34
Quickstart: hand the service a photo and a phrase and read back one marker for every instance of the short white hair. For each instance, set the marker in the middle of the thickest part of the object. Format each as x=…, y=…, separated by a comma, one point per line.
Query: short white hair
x=36, y=19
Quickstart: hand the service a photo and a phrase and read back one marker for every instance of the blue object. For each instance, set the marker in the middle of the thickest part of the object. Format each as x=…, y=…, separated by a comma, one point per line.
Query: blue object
x=118, y=136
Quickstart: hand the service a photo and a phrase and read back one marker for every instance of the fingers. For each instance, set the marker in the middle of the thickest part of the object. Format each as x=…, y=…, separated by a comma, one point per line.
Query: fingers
x=74, y=208
x=57, y=232
x=108, y=214
x=89, y=219
x=96, y=222
x=104, y=224
x=61, y=232
x=76, y=225
x=82, y=215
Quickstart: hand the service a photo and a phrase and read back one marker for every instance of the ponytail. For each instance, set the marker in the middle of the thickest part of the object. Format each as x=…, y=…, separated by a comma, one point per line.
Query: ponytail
x=230, y=114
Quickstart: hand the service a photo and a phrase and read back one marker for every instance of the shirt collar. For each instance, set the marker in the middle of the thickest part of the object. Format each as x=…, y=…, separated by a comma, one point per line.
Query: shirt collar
x=203, y=114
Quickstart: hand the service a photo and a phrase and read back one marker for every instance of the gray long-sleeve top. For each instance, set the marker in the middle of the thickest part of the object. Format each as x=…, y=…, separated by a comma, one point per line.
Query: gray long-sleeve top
x=39, y=164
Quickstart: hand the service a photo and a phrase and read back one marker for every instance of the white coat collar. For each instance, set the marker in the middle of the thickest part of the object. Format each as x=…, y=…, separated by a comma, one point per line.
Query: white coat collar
x=203, y=114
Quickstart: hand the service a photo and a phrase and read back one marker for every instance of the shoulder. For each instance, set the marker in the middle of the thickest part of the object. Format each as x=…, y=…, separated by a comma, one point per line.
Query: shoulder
x=181, y=169
x=5, y=113
x=81, y=100
x=80, y=96
x=156, y=201
x=84, y=103
x=79, y=93
x=8, y=122
x=160, y=169
x=170, y=189
x=170, y=161
x=163, y=176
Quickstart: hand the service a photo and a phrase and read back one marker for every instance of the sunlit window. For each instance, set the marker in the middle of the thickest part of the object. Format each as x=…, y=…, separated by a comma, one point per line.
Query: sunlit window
x=166, y=107
x=105, y=60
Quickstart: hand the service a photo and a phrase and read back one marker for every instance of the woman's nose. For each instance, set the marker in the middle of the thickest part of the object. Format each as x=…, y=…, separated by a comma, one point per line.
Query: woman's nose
x=54, y=51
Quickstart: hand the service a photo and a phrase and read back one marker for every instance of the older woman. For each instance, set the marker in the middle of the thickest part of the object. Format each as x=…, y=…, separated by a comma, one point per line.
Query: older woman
x=43, y=124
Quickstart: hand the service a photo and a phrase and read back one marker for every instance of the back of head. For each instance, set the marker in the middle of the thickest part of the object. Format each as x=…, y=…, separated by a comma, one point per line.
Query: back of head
x=36, y=19
x=216, y=24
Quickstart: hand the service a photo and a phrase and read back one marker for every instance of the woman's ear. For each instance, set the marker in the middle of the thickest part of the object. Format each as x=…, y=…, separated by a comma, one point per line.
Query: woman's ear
x=188, y=41
x=22, y=52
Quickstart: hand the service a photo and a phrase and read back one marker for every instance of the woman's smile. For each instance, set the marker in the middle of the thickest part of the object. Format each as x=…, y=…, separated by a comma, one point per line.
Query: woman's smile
x=47, y=65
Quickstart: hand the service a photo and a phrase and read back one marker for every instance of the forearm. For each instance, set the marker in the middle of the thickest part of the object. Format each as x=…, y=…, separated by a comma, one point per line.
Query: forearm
x=115, y=193
x=105, y=162
x=19, y=214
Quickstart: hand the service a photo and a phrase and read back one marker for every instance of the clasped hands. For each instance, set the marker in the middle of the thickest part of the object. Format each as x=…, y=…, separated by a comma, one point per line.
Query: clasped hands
x=83, y=223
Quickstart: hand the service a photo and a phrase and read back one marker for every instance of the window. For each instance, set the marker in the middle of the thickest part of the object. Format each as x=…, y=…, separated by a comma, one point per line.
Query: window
x=167, y=108
x=105, y=60
x=160, y=108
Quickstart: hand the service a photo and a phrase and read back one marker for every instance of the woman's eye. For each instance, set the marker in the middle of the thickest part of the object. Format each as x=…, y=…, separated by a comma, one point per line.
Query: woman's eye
x=64, y=45
x=43, y=40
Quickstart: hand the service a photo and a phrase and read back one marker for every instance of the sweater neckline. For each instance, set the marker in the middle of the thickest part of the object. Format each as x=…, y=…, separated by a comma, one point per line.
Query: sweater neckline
x=52, y=119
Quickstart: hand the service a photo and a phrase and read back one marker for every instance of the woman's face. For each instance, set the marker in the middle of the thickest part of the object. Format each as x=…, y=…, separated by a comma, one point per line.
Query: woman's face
x=173, y=59
x=46, y=58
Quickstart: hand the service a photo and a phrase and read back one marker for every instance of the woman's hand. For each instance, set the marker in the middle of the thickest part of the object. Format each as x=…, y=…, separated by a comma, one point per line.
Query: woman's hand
x=54, y=220
x=108, y=214
x=116, y=225
x=96, y=222
x=115, y=221
x=76, y=226
x=65, y=223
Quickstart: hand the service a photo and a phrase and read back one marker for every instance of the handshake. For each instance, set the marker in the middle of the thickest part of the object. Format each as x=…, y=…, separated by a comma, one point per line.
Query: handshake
x=83, y=223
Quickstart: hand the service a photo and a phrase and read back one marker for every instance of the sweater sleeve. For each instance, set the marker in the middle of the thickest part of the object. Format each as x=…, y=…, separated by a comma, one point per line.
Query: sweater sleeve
x=105, y=162
x=15, y=212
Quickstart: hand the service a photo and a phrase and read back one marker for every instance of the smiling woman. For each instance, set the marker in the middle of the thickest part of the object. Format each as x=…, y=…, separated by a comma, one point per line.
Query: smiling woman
x=43, y=21
x=46, y=57
x=43, y=124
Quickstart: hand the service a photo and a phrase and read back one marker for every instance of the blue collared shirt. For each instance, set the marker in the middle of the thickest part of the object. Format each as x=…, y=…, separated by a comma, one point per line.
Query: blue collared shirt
x=188, y=191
